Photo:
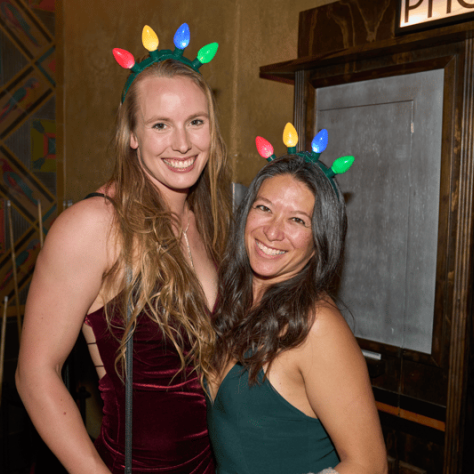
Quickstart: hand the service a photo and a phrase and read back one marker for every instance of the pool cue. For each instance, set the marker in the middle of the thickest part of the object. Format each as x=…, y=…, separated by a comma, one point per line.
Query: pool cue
x=15, y=277
x=40, y=223
x=2, y=344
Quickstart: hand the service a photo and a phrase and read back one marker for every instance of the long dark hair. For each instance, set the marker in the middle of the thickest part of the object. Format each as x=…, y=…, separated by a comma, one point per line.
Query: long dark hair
x=254, y=334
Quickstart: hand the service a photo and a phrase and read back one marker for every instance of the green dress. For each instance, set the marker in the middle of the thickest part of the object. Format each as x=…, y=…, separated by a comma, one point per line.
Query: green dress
x=254, y=430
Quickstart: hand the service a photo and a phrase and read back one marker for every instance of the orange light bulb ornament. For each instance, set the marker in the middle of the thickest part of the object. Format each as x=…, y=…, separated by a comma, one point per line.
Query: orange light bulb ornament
x=290, y=138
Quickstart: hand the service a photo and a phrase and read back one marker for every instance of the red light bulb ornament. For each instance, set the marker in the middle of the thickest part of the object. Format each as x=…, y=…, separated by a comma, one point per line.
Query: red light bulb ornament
x=124, y=58
x=264, y=148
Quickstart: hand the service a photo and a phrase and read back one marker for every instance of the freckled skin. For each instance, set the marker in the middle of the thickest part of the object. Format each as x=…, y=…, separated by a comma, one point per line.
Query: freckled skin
x=279, y=220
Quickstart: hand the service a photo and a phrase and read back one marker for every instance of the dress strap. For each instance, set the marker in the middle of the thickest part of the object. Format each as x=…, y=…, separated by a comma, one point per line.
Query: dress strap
x=99, y=195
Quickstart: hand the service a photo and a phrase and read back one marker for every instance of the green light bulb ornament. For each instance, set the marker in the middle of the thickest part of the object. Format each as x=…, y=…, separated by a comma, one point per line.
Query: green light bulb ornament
x=205, y=55
x=340, y=166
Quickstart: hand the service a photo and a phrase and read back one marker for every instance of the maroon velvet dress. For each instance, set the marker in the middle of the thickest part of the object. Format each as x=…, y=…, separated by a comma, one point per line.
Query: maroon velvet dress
x=169, y=411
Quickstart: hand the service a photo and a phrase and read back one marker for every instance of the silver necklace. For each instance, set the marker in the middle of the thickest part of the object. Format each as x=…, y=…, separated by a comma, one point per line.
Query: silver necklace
x=187, y=244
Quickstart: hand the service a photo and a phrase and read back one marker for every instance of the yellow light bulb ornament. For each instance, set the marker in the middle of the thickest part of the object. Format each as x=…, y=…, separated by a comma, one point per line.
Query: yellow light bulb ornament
x=290, y=138
x=150, y=39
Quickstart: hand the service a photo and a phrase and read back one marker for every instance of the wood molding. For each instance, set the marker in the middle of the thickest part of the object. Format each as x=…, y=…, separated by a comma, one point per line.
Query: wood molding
x=462, y=282
x=300, y=109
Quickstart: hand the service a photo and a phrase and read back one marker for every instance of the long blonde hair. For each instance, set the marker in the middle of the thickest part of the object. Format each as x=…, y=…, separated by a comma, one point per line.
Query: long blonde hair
x=162, y=285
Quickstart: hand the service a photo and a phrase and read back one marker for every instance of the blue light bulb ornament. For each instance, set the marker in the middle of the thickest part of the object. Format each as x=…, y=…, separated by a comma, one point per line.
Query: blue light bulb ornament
x=320, y=142
x=181, y=38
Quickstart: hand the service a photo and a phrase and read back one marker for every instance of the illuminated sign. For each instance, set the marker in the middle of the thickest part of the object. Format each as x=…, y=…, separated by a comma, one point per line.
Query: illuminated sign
x=423, y=12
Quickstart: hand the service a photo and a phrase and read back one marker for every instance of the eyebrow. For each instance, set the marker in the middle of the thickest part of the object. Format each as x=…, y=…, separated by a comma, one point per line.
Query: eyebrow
x=157, y=118
x=261, y=198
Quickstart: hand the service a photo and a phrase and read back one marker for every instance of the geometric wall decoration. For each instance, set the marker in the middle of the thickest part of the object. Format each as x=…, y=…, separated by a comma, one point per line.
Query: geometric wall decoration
x=28, y=174
x=43, y=145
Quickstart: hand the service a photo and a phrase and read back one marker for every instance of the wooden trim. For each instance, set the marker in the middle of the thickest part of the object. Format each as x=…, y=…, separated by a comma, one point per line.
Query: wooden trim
x=442, y=36
x=411, y=416
x=299, y=109
x=457, y=378
x=11, y=311
x=277, y=78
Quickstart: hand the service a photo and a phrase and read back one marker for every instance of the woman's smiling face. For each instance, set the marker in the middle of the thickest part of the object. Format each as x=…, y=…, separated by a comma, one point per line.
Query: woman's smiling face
x=172, y=133
x=278, y=233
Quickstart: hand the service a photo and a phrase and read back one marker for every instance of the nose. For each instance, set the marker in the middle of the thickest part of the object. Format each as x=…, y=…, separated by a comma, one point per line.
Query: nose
x=274, y=230
x=181, y=141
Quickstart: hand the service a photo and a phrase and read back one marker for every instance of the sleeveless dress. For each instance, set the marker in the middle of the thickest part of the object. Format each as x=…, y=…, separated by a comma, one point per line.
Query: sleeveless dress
x=254, y=430
x=169, y=409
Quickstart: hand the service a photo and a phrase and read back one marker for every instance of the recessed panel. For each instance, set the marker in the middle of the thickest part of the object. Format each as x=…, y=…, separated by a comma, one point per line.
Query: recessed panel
x=393, y=128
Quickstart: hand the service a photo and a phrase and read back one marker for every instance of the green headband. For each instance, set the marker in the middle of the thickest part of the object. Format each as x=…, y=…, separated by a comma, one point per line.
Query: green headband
x=150, y=42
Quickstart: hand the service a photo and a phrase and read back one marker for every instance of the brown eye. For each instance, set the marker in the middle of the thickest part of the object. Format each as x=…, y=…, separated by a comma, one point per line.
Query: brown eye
x=299, y=221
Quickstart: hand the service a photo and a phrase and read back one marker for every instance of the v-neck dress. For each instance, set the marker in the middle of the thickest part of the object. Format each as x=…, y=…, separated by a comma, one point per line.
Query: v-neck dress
x=254, y=430
x=169, y=409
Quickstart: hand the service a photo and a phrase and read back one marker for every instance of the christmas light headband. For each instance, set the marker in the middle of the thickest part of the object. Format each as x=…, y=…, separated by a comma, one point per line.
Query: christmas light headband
x=318, y=145
x=150, y=42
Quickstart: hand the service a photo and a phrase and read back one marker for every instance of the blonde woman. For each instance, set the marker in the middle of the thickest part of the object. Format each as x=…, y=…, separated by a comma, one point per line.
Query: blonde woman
x=153, y=234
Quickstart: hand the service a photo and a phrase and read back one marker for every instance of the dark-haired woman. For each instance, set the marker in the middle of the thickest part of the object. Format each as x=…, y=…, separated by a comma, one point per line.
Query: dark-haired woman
x=290, y=392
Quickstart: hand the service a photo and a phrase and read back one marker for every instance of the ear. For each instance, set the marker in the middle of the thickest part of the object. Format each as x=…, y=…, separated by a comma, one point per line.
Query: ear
x=133, y=141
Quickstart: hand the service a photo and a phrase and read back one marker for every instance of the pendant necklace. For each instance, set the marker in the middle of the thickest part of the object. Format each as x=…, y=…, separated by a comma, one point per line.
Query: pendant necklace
x=187, y=244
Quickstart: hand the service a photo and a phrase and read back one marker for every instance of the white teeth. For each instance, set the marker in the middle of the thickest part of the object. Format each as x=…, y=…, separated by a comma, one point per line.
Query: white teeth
x=180, y=164
x=269, y=251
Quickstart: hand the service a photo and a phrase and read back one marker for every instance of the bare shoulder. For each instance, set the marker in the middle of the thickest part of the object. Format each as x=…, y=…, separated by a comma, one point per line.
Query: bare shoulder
x=94, y=210
x=330, y=338
x=89, y=219
x=328, y=321
x=80, y=241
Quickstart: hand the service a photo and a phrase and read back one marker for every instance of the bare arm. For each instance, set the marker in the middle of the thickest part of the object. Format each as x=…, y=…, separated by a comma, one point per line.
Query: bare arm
x=339, y=391
x=66, y=282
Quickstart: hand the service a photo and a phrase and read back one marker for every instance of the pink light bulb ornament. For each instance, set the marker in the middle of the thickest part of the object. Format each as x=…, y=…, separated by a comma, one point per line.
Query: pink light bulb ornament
x=124, y=58
x=264, y=148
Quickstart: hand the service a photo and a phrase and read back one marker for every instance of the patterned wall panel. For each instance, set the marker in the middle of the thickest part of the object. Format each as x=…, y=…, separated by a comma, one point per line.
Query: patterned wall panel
x=28, y=175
